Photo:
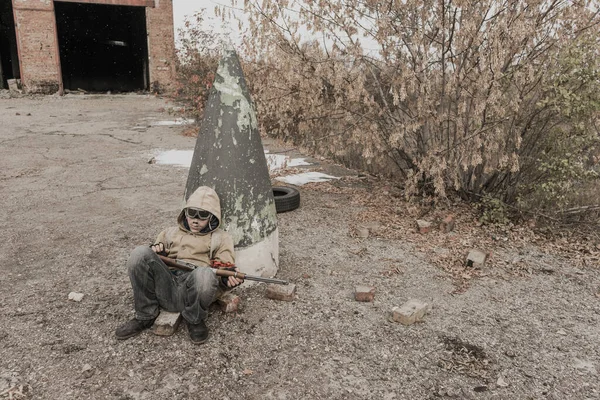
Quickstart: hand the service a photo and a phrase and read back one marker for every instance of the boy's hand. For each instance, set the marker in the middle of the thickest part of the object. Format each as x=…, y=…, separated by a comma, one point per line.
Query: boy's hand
x=159, y=248
x=233, y=282
x=228, y=281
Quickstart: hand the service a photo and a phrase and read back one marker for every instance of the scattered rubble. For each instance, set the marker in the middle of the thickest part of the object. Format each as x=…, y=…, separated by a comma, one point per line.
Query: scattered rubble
x=166, y=323
x=229, y=302
x=281, y=292
x=476, y=259
x=410, y=312
x=364, y=293
x=423, y=226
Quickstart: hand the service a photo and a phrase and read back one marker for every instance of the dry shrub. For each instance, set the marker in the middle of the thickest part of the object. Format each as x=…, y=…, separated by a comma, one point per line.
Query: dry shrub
x=197, y=58
x=495, y=99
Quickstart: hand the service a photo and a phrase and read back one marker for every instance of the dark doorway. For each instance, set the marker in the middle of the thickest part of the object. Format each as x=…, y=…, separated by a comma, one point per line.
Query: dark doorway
x=102, y=47
x=9, y=56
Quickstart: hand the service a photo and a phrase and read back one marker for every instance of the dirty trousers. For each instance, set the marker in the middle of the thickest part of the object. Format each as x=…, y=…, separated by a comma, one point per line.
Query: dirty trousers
x=154, y=286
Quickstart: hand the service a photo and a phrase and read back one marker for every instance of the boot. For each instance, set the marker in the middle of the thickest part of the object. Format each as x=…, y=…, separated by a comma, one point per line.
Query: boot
x=198, y=332
x=132, y=328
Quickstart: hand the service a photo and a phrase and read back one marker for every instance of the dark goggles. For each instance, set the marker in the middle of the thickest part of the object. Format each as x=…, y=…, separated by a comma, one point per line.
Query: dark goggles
x=195, y=213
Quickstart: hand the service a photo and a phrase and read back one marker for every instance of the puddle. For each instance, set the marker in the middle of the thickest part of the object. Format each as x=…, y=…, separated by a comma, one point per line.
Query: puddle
x=183, y=158
x=178, y=121
x=180, y=158
x=306, y=177
x=279, y=161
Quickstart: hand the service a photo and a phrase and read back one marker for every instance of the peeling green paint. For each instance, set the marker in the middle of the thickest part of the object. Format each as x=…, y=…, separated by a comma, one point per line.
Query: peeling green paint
x=230, y=148
x=232, y=96
x=251, y=226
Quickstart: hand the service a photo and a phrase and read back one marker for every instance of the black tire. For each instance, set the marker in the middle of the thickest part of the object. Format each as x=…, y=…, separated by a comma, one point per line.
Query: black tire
x=286, y=198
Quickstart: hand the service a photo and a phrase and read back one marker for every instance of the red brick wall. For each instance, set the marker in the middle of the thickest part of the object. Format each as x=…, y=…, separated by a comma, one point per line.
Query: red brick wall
x=161, y=45
x=37, y=45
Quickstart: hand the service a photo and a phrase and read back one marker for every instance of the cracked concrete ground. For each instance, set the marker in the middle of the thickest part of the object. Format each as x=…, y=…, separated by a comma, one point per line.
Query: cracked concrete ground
x=78, y=193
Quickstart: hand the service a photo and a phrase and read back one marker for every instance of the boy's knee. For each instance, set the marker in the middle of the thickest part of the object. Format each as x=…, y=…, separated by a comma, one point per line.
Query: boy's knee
x=204, y=277
x=137, y=255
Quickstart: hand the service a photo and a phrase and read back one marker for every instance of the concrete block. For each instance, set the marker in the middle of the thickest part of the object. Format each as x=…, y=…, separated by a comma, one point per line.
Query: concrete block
x=423, y=226
x=229, y=302
x=410, y=312
x=364, y=293
x=13, y=86
x=166, y=324
x=281, y=292
x=447, y=224
x=476, y=258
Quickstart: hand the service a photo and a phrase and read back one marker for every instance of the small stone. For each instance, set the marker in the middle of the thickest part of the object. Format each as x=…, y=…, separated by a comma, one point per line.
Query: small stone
x=447, y=224
x=476, y=258
x=412, y=311
x=501, y=382
x=281, y=292
x=562, y=332
x=87, y=371
x=247, y=372
x=423, y=226
x=76, y=296
x=362, y=233
x=229, y=302
x=364, y=293
x=167, y=323
x=510, y=353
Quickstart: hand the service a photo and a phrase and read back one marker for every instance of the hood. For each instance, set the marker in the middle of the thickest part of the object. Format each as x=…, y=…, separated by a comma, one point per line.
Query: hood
x=207, y=199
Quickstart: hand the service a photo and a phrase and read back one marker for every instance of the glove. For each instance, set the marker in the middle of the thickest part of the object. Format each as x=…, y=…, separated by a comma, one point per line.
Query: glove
x=159, y=248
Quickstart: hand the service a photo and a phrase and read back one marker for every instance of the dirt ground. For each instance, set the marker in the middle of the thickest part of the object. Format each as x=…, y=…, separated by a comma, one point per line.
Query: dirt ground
x=78, y=193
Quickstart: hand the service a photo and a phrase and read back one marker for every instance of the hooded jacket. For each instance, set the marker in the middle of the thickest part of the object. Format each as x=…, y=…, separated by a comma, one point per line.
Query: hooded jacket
x=212, y=243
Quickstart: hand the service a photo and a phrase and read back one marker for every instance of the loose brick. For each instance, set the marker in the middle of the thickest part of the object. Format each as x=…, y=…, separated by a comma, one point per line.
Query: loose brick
x=364, y=293
x=166, y=324
x=229, y=302
x=410, y=312
x=423, y=226
x=281, y=292
x=476, y=258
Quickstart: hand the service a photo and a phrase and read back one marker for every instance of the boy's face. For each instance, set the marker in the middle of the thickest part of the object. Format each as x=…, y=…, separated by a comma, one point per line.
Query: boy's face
x=196, y=225
x=196, y=219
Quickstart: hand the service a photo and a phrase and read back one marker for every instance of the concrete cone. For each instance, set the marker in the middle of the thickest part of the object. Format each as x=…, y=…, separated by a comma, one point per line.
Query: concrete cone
x=229, y=157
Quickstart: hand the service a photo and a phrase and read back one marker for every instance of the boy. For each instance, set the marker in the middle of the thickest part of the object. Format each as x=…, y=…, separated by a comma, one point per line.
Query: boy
x=197, y=239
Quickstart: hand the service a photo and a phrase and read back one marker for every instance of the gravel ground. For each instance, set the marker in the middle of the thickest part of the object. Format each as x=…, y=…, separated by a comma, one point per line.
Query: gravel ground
x=79, y=193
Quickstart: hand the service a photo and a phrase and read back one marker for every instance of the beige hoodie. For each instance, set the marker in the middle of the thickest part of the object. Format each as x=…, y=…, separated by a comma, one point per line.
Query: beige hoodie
x=181, y=243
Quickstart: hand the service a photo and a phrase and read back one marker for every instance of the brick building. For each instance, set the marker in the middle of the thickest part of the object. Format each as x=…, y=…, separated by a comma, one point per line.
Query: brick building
x=94, y=45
